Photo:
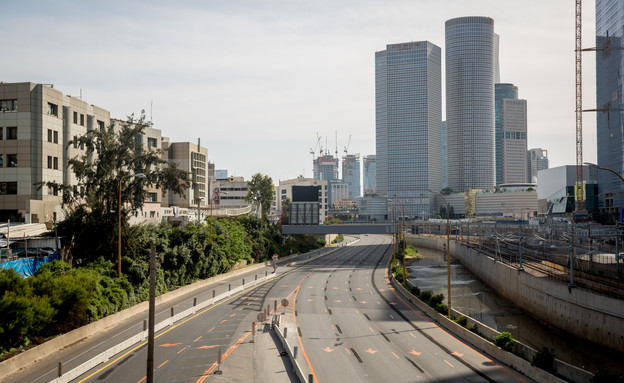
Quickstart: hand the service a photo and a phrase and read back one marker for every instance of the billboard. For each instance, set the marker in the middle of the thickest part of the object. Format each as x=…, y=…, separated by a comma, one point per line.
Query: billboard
x=305, y=193
x=304, y=213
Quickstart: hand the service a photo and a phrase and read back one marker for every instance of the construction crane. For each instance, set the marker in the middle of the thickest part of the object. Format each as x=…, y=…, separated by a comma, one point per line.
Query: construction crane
x=580, y=213
x=346, y=151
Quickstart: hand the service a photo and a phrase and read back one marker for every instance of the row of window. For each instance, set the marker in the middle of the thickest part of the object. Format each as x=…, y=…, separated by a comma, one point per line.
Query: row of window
x=11, y=160
x=8, y=105
x=52, y=136
x=11, y=133
x=82, y=118
x=8, y=188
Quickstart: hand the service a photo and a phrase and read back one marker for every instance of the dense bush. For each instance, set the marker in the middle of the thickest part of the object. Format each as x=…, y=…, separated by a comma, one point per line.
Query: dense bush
x=545, y=359
x=435, y=300
x=505, y=341
x=59, y=297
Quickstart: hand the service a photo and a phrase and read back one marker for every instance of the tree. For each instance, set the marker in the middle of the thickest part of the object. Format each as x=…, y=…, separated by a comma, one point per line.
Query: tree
x=261, y=191
x=104, y=176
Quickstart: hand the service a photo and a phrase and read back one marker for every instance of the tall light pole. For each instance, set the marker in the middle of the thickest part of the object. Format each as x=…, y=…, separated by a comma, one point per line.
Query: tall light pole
x=448, y=254
x=137, y=175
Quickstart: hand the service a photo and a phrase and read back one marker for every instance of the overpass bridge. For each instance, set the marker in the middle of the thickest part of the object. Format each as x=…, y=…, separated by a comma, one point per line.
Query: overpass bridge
x=354, y=228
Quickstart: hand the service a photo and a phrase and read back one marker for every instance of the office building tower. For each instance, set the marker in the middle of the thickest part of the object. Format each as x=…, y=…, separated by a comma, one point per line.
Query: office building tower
x=537, y=159
x=471, y=57
x=444, y=182
x=511, y=135
x=351, y=174
x=609, y=93
x=408, y=108
x=370, y=174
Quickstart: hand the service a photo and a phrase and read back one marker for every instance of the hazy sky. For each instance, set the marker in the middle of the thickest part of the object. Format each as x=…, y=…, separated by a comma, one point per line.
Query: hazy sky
x=257, y=80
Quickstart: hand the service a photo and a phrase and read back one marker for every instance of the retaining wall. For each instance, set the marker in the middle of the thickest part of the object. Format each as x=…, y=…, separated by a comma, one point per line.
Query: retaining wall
x=593, y=317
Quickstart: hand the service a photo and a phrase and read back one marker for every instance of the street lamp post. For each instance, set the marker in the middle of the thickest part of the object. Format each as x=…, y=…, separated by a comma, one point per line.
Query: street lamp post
x=137, y=175
x=448, y=254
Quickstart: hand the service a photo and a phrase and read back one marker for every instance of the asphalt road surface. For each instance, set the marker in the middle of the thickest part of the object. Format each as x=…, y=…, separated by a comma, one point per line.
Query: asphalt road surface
x=345, y=319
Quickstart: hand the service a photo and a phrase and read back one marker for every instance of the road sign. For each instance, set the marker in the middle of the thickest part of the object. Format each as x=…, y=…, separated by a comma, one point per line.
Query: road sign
x=285, y=302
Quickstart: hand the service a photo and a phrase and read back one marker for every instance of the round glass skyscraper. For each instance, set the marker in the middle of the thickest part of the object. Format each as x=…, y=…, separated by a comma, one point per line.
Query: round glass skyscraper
x=470, y=76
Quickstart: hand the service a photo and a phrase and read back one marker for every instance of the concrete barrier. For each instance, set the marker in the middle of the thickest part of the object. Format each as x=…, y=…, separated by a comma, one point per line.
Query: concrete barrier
x=31, y=356
x=523, y=366
x=291, y=356
x=594, y=317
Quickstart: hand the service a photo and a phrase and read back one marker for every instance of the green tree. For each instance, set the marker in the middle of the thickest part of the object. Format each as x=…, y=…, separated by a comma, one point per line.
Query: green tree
x=104, y=176
x=261, y=191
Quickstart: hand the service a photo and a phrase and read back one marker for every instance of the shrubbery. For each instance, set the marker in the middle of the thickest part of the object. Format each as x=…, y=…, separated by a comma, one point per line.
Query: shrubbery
x=59, y=297
x=505, y=341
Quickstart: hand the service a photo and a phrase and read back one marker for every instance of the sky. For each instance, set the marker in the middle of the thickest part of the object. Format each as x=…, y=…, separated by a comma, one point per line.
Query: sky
x=258, y=81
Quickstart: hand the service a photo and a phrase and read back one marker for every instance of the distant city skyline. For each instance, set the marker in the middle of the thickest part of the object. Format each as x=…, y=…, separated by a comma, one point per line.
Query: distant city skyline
x=258, y=80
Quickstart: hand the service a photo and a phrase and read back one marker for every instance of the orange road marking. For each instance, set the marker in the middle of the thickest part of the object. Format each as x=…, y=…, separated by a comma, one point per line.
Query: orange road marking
x=232, y=315
x=181, y=350
x=223, y=357
x=363, y=302
x=310, y=300
x=447, y=362
x=413, y=352
x=413, y=336
x=506, y=370
x=333, y=328
x=457, y=354
x=370, y=328
x=335, y=288
x=145, y=377
x=170, y=344
x=378, y=302
x=347, y=350
x=223, y=321
x=371, y=351
x=162, y=364
x=327, y=349
x=210, y=330
x=213, y=346
x=395, y=355
x=391, y=316
x=197, y=339
x=338, y=301
x=310, y=287
x=357, y=312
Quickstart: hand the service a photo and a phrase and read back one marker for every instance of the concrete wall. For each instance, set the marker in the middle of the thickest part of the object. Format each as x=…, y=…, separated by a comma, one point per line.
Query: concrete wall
x=593, y=317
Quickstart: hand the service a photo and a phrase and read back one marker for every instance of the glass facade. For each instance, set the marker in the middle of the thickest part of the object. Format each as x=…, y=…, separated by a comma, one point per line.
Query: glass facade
x=351, y=174
x=370, y=174
x=501, y=91
x=470, y=74
x=408, y=98
x=609, y=92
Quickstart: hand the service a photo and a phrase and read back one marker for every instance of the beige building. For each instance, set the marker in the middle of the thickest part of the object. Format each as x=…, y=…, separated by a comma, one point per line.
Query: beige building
x=283, y=192
x=36, y=124
x=192, y=158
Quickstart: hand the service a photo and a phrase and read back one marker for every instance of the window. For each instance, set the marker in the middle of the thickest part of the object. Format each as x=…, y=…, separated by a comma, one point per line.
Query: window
x=11, y=160
x=152, y=197
x=11, y=133
x=49, y=135
x=55, y=137
x=1, y=130
x=8, y=105
x=53, y=109
x=53, y=190
x=82, y=119
x=75, y=142
x=100, y=124
x=8, y=188
x=56, y=163
x=49, y=162
x=75, y=117
x=152, y=142
x=1, y=161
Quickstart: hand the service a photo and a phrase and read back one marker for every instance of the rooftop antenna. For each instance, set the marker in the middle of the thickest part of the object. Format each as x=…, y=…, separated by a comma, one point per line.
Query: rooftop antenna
x=336, y=138
x=151, y=113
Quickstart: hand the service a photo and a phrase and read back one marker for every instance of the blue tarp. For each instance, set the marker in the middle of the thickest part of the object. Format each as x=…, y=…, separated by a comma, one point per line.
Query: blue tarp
x=28, y=266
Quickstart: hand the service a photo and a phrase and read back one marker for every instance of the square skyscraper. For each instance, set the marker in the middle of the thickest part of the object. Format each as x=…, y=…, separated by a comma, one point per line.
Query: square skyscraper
x=408, y=108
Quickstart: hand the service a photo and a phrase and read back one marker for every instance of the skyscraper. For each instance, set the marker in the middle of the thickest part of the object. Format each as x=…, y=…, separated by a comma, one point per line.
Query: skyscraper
x=537, y=159
x=351, y=174
x=408, y=106
x=370, y=174
x=609, y=93
x=511, y=135
x=471, y=51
